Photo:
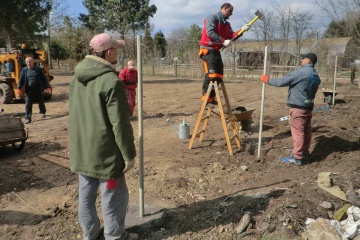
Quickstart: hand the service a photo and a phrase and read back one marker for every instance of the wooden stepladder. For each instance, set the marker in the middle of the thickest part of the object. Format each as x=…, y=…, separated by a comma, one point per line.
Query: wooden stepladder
x=223, y=102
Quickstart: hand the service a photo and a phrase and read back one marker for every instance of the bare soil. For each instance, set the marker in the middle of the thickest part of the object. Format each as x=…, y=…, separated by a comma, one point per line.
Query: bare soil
x=199, y=193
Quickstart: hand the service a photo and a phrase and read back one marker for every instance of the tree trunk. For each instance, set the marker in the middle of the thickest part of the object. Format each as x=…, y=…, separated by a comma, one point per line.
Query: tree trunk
x=134, y=44
x=10, y=38
x=122, y=53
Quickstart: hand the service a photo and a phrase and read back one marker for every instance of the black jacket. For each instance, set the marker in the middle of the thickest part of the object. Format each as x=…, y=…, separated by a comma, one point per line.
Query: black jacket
x=41, y=78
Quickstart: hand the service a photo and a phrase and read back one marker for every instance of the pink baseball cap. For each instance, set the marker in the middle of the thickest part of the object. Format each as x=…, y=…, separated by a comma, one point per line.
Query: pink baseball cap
x=103, y=41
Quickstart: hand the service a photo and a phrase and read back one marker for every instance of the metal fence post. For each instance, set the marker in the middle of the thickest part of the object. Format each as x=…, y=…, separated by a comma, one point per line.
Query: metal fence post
x=140, y=121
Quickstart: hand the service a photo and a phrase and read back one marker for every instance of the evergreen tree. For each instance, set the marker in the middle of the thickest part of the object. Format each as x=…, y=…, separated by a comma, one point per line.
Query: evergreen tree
x=72, y=40
x=336, y=29
x=58, y=51
x=148, y=41
x=23, y=21
x=96, y=12
x=122, y=16
x=160, y=44
x=194, y=36
x=193, y=41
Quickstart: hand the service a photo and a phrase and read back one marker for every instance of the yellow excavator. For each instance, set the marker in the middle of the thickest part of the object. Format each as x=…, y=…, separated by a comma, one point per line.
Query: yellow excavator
x=11, y=63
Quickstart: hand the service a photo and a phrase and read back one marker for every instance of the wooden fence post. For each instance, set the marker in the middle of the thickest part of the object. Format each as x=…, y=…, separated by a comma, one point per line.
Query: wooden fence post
x=175, y=68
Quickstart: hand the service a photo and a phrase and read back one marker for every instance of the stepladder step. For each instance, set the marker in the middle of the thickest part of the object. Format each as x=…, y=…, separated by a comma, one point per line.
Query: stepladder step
x=229, y=126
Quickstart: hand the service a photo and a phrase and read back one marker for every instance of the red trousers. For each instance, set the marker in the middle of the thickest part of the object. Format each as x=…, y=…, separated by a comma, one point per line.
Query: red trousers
x=300, y=123
x=131, y=97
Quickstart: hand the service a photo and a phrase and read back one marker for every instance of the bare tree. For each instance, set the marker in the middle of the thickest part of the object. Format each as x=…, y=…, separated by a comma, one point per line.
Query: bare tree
x=58, y=13
x=55, y=21
x=301, y=28
x=276, y=26
x=265, y=30
x=347, y=11
x=177, y=42
x=283, y=15
x=337, y=9
x=284, y=24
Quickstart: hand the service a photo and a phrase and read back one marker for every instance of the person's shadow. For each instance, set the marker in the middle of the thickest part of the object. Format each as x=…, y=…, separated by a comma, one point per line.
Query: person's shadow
x=328, y=145
x=205, y=215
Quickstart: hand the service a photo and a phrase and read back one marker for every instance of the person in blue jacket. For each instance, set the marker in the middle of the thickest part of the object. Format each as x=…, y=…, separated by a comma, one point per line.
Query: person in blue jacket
x=35, y=83
x=303, y=84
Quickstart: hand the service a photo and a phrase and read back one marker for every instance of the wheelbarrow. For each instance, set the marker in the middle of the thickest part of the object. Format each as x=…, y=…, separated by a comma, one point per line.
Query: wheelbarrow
x=13, y=132
x=328, y=95
x=243, y=115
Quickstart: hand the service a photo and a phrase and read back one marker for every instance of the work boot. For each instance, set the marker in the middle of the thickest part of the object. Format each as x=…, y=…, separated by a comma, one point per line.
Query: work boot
x=214, y=102
x=292, y=160
x=27, y=121
x=209, y=100
x=203, y=97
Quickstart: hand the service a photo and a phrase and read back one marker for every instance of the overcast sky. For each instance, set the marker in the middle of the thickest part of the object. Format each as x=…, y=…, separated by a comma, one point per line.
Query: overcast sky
x=172, y=14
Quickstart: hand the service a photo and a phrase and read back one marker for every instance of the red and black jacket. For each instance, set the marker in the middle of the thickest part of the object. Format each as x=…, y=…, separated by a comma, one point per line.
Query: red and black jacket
x=216, y=30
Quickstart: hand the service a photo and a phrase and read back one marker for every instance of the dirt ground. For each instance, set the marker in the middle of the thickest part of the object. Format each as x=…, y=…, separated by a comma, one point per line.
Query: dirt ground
x=199, y=193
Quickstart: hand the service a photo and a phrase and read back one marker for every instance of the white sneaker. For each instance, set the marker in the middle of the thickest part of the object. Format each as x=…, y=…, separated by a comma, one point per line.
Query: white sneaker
x=42, y=115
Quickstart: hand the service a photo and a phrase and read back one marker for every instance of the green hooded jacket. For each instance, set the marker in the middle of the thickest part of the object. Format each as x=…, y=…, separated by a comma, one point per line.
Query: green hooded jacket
x=101, y=135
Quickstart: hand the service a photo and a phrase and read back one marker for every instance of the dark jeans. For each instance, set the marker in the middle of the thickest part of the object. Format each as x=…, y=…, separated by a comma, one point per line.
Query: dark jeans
x=31, y=96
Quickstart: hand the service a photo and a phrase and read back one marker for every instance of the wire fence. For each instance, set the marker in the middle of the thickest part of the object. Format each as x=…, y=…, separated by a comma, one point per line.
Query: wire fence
x=180, y=70
x=168, y=69
x=194, y=70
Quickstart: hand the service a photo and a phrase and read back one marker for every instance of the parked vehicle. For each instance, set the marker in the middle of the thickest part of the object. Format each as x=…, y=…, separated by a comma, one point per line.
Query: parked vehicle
x=11, y=63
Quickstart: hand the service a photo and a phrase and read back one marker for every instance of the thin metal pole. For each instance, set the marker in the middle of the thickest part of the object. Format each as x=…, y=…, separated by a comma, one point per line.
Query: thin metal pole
x=334, y=88
x=140, y=121
x=49, y=43
x=262, y=105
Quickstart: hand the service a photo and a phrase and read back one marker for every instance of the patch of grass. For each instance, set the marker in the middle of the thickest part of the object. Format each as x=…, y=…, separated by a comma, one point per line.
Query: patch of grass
x=345, y=74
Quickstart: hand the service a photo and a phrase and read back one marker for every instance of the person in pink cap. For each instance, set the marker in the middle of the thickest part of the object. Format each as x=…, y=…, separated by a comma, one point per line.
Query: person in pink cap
x=102, y=146
x=130, y=78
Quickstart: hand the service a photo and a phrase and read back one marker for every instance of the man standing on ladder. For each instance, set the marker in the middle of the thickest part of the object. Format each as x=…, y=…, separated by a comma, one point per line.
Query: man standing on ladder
x=216, y=33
